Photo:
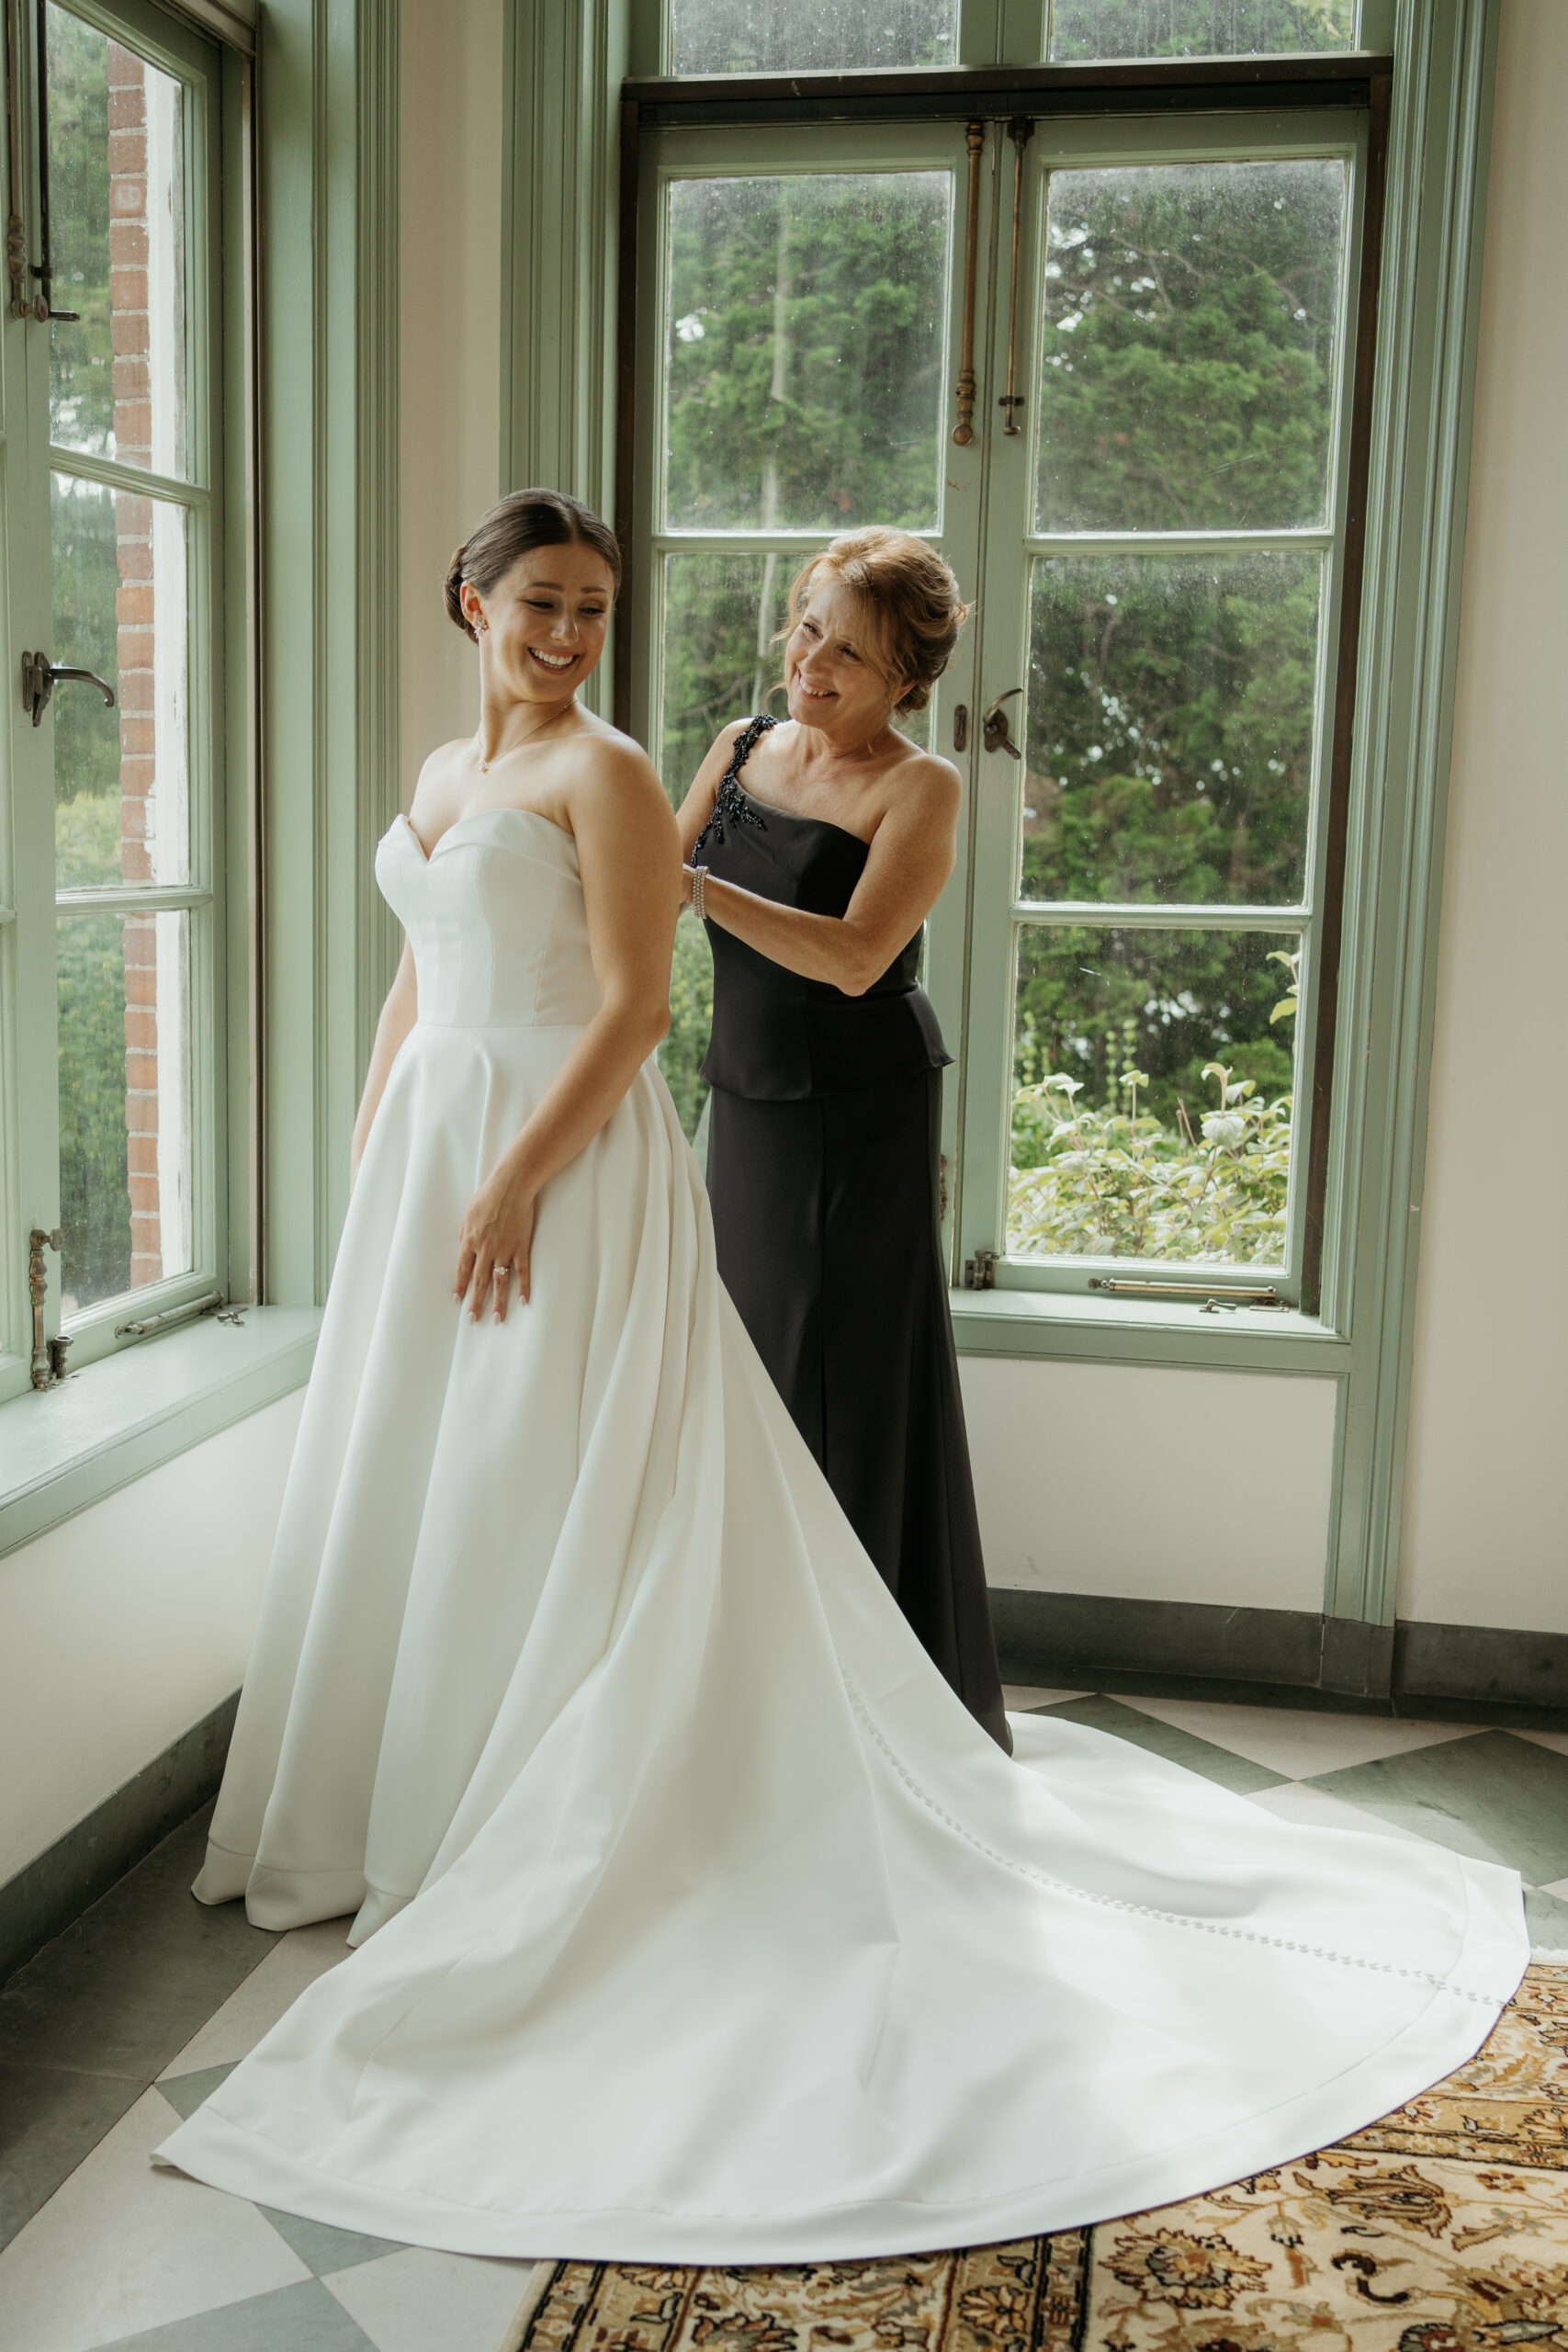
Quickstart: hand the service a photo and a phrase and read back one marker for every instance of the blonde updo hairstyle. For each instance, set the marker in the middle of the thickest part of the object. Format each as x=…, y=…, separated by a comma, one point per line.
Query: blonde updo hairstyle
x=514, y=528
x=911, y=595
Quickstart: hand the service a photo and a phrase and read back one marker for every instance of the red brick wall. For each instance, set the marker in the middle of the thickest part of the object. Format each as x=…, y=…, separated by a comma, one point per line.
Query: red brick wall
x=133, y=532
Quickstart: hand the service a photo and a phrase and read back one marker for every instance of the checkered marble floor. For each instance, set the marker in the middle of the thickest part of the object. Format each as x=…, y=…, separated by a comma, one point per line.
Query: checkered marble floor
x=132, y=2017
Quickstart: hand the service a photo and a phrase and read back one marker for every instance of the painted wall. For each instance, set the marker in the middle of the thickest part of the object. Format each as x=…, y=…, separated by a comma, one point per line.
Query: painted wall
x=124, y=1626
x=1145, y=1484
x=450, y=154
x=1483, y=1540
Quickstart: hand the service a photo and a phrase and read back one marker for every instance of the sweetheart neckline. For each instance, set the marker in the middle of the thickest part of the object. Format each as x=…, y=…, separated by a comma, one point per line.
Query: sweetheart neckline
x=502, y=808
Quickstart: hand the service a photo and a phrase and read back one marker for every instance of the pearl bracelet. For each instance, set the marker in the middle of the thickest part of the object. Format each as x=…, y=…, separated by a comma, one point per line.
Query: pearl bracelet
x=699, y=879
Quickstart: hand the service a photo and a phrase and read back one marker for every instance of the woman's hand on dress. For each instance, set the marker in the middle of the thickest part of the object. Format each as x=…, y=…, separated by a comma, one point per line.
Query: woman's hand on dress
x=495, y=1241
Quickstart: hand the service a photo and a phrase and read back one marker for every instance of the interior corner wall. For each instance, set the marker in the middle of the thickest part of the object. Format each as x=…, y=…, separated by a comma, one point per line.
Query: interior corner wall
x=125, y=1625
x=1482, y=1540
x=450, y=140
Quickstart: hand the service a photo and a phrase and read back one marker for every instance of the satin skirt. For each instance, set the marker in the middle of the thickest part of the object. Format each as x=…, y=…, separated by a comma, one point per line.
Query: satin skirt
x=827, y=1223
x=709, y=1925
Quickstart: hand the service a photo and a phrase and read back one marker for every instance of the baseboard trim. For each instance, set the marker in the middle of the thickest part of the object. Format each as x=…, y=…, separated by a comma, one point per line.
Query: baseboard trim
x=1061, y=1640
x=1482, y=1663
x=59, y=1885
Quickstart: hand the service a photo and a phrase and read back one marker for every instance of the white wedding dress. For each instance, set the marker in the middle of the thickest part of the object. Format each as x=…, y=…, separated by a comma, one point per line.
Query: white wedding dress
x=709, y=1927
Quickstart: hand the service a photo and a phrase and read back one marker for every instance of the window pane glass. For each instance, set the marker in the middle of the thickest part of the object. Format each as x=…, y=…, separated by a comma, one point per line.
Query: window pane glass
x=117, y=379
x=125, y=1140
x=1197, y=27
x=721, y=616
x=810, y=36
x=1172, y=701
x=1152, y=1087
x=121, y=776
x=806, y=351
x=1187, y=347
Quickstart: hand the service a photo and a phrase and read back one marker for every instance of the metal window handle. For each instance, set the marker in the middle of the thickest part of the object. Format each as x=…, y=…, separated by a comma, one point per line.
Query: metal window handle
x=38, y=676
x=994, y=725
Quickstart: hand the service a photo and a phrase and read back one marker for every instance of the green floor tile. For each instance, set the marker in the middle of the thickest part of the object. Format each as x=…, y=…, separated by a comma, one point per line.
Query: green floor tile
x=324, y=2249
x=1238, y=1773
x=1498, y=1798
x=305, y=2318
x=186, y=2093
x=49, y=2120
x=125, y=1988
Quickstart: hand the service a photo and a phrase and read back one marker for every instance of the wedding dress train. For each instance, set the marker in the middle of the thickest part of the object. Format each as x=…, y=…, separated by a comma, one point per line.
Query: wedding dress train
x=709, y=1924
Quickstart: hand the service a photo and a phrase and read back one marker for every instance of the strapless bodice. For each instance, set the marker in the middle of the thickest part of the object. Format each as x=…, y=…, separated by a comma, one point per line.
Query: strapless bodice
x=496, y=921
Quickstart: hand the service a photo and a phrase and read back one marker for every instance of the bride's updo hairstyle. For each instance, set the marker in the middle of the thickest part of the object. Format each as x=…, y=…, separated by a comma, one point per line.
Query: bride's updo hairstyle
x=514, y=526
x=910, y=593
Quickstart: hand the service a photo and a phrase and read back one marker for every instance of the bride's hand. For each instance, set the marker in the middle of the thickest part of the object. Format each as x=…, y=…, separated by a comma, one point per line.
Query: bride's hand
x=494, y=1242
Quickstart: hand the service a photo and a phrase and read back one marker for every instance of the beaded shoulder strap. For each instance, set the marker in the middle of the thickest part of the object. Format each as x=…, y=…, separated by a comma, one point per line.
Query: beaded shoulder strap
x=729, y=801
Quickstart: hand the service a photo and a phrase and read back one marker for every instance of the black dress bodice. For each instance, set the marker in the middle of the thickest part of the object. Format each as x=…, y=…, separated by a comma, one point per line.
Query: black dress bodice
x=777, y=1036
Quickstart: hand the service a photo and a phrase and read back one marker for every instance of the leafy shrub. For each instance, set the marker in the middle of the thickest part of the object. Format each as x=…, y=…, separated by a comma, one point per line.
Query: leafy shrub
x=1115, y=1182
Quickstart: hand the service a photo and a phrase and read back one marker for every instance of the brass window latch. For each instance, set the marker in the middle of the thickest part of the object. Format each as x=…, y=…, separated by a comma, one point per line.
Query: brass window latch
x=49, y=1355
x=39, y=676
x=980, y=1271
x=994, y=730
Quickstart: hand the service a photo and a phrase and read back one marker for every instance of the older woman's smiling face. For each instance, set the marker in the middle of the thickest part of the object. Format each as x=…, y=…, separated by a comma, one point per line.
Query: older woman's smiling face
x=835, y=671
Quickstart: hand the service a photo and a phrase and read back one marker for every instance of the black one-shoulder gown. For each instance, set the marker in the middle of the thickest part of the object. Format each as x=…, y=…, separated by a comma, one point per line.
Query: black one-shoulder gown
x=824, y=1135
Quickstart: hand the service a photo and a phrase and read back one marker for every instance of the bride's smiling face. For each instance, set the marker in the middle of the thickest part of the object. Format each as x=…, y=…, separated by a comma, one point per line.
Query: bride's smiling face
x=542, y=627
x=835, y=673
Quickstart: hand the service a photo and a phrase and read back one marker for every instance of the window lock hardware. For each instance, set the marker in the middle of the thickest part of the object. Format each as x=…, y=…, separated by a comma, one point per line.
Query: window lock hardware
x=1212, y=1299
x=961, y=728
x=49, y=1355
x=1019, y=130
x=994, y=726
x=965, y=388
x=980, y=1271
x=39, y=675
x=144, y=1324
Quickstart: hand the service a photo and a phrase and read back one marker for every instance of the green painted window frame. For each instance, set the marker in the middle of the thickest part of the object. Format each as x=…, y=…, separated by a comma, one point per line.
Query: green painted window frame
x=218, y=655
x=674, y=129
x=976, y=931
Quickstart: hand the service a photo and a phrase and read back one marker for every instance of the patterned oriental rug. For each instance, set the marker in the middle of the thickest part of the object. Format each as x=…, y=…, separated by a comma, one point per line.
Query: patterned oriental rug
x=1442, y=2229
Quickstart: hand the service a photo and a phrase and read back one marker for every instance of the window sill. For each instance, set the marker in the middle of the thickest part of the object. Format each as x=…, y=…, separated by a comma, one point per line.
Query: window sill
x=1066, y=1325
x=116, y=1420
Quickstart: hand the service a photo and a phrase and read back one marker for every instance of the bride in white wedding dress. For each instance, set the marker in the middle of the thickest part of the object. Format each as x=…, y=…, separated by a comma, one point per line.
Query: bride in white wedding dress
x=709, y=1925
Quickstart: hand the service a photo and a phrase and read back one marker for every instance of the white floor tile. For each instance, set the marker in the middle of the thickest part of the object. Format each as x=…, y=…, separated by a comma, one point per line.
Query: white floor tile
x=1553, y=1739
x=1018, y=1696
x=254, y=2007
x=1315, y=1809
x=1293, y=1741
x=124, y=2245
x=422, y=2302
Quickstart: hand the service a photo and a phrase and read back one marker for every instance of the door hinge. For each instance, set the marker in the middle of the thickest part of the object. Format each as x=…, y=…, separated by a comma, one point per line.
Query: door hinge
x=980, y=1271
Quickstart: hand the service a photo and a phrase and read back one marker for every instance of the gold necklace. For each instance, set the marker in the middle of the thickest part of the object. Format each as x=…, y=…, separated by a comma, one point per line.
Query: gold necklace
x=484, y=763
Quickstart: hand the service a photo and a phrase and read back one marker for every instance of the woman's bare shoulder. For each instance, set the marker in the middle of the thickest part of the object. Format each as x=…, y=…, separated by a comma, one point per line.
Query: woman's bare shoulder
x=926, y=777
x=609, y=779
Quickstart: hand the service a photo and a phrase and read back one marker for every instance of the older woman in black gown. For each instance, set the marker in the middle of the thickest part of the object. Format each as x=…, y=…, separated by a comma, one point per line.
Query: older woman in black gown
x=815, y=876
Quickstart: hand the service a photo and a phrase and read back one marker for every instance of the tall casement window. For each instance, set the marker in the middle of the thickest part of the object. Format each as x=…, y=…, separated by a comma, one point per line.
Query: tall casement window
x=1100, y=330
x=114, y=1013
